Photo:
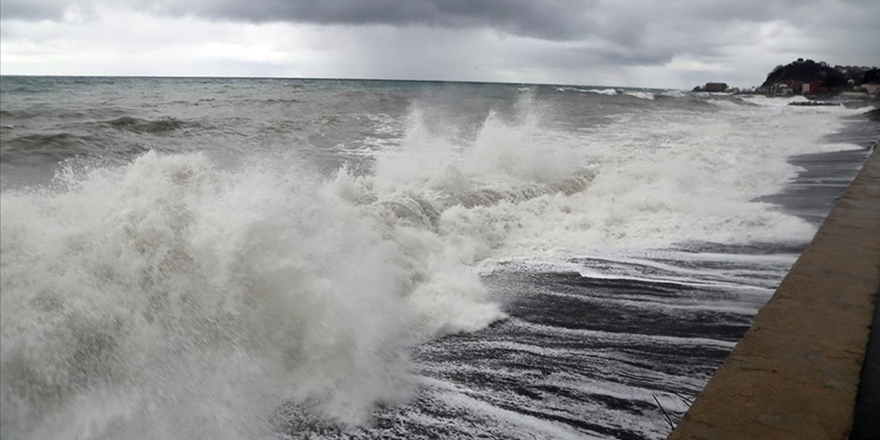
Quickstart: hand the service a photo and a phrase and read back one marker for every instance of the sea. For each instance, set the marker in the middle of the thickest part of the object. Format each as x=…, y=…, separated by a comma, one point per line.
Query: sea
x=209, y=258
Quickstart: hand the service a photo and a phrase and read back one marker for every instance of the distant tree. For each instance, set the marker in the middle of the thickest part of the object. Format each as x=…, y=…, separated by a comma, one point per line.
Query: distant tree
x=872, y=76
x=807, y=71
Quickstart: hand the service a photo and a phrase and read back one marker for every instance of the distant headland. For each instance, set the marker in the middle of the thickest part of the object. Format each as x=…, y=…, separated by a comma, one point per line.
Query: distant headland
x=812, y=79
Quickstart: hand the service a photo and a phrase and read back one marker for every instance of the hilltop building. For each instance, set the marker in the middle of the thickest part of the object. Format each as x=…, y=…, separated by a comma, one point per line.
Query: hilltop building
x=712, y=87
x=808, y=77
x=715, y=87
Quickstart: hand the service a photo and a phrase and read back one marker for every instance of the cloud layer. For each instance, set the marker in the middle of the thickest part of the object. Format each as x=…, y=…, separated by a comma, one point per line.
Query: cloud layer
x=673, y=43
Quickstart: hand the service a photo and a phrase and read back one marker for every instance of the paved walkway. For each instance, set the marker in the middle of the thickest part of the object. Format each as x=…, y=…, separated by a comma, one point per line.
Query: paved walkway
x=796, y=372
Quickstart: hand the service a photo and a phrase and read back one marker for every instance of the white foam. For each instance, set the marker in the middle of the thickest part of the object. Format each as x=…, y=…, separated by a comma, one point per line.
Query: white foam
x=641, y=95
x=659, y=182
x=607, y=92
x=772, y=101
x=650, y=181
x=172, y=297
x=204, y=298
x=675, y=93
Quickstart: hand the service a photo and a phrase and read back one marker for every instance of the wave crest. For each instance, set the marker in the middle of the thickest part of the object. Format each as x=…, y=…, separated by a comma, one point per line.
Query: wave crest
x=182, y=282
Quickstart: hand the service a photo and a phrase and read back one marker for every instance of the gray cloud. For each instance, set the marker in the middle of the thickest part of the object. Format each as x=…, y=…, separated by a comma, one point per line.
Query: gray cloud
x=32, y=9
x=627, y=32
x=531, y=38
x=627, y=23
x=560, y=20
x=550, y=19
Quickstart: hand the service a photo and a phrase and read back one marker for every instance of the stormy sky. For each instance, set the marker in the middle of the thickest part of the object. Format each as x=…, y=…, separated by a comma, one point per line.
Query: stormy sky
x=673, y=43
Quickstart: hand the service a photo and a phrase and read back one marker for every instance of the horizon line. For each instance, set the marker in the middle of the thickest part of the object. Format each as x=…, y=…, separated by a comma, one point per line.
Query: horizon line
x=306, y=78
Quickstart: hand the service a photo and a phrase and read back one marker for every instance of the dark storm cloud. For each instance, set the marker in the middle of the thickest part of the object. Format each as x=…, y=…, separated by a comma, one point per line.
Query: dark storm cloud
x=624, y=23
x=32, y=9
x=550, y=19
x=544, y=38
x=631, y=32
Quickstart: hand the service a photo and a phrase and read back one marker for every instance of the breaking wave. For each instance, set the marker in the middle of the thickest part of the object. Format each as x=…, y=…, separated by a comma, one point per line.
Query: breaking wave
x=175, y=297
x=170, y=294
x=641, y=95
x=607, y=92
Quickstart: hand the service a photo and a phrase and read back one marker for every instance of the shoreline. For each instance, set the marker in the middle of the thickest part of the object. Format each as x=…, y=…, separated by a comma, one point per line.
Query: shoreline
x=798, y=371
x=825, y=176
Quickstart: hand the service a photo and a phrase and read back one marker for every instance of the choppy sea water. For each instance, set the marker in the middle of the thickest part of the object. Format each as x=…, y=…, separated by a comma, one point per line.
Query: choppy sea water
x=259, y=258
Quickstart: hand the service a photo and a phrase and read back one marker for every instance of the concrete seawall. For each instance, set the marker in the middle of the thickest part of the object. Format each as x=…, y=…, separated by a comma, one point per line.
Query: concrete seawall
x=796, y=372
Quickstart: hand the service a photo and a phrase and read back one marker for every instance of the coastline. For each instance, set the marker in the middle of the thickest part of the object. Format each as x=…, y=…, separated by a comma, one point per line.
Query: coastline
x=776, y=381
x=811, y=196
x=825, y=176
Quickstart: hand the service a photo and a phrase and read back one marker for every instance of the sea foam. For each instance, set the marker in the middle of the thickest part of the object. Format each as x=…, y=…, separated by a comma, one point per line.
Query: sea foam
x=170, y=296
x=175, y=297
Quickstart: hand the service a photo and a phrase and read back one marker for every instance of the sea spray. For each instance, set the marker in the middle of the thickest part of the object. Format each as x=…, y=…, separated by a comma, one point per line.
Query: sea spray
x=170, y=296
x=281, y=279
